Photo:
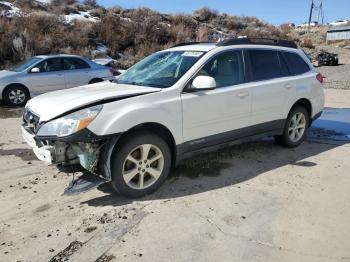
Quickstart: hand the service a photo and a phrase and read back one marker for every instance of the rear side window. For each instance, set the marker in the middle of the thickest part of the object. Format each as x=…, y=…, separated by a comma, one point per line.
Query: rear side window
x=297, y=65
x=74, y=63
x=265, y=65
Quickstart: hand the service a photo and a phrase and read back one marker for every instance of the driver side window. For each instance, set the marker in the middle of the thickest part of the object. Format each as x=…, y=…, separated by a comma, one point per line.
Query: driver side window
x=50, y=65
x=226, y=68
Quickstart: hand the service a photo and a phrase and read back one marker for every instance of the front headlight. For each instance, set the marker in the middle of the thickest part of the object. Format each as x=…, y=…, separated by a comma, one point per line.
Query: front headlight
x=71, y=123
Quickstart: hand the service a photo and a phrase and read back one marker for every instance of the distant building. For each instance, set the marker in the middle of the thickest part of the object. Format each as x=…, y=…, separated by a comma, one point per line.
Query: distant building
x=338, y=33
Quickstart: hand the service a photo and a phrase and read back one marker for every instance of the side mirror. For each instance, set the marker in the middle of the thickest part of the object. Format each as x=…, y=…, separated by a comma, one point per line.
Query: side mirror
x=203, y=83
x=35, y=70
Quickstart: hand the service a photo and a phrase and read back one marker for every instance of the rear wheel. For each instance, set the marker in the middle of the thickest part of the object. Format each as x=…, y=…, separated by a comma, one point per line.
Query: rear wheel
x=295, y=128
x=140, y=164
x=16, y=96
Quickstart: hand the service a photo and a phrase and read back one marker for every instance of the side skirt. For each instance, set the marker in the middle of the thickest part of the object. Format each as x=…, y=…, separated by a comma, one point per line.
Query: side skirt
x=227, y=139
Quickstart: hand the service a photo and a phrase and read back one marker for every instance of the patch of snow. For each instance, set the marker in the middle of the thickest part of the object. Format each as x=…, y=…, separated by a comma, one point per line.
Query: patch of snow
x=100, y=49
x=46, y=2
x=8, y=9
x=126, y=19
x=104, y=61
x=81, y=16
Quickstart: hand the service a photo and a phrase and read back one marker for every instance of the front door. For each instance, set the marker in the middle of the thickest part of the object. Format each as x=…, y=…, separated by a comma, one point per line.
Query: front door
x=217, y=116
x=49, y=78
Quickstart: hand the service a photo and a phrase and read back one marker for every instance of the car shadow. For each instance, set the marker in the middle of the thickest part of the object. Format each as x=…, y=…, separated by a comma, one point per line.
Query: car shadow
x=228, y=167
x=239, y=164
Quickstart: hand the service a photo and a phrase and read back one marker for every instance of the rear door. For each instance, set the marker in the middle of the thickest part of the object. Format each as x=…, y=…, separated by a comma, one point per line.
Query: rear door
x=217, y=116
x=49, y=78
x=270, y=76
x=77, y=71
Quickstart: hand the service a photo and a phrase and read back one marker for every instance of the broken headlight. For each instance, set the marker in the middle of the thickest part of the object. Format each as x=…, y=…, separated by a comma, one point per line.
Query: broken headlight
x=70, y=124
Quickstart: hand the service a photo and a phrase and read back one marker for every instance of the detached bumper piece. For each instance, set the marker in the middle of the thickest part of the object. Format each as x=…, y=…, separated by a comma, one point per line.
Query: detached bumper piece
x=82, y=184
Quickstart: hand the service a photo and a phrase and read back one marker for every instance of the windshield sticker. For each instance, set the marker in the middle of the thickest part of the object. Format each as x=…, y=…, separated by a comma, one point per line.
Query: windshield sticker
x=192, y=54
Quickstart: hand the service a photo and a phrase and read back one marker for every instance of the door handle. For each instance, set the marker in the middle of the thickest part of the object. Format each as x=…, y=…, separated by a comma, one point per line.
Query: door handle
x=288, y=86
x=243, y=95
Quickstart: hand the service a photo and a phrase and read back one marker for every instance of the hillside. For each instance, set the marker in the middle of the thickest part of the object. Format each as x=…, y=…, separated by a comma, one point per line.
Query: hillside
x=30, y=27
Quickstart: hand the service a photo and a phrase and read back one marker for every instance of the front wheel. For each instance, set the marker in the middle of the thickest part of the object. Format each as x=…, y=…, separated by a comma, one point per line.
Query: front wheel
x=140, y=164
x=295, y=128
x=16, y=96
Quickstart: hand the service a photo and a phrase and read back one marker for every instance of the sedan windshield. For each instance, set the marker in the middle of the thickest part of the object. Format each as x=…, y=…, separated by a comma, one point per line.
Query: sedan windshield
x=161, y=70
x=26, y=65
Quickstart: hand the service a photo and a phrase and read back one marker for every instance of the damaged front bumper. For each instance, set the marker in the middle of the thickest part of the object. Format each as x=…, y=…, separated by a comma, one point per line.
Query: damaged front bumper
x=85, y=148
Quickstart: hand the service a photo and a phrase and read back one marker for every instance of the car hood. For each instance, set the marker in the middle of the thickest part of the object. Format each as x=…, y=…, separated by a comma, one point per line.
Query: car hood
x=5, y=73
x=54, y=104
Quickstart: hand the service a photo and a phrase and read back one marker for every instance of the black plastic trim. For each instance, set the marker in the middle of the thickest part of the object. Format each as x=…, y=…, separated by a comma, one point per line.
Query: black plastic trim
x=258, y=41
x=214, y=142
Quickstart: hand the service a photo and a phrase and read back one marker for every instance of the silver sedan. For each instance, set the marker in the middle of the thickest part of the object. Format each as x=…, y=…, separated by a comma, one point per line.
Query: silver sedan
x=43, y=74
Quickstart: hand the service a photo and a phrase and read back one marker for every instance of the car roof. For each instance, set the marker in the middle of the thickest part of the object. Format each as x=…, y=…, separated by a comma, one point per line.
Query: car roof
x=57, y=55
x=202, y=47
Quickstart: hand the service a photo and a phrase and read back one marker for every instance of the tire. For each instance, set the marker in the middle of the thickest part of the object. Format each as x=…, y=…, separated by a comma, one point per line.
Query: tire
x=286, y=139
x=16, y=95
x=127, y=158
x=95, y=80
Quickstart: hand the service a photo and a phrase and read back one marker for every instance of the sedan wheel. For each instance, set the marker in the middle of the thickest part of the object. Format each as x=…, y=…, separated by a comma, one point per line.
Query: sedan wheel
x=16, y=96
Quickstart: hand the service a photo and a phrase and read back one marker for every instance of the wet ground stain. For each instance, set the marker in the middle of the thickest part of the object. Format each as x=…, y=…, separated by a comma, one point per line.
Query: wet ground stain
x=304, y=164
x=23, y=153
x=193, y=169
x=334, y=124
x=10, y=112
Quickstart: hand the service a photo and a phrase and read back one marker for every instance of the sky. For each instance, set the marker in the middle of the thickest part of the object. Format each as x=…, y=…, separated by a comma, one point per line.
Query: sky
x=272, y=11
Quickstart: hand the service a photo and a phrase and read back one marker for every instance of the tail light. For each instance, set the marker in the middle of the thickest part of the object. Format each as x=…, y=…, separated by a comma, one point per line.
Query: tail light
x=319, y=77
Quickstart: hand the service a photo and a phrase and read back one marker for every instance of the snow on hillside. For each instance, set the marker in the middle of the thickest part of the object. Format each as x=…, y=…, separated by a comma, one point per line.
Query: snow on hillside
x=44, y=1
x=82, y=16
x=7, y=9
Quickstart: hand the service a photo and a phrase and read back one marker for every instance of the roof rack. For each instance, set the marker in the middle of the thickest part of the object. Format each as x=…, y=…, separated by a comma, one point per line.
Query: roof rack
x=257, y=41
x=192, y=43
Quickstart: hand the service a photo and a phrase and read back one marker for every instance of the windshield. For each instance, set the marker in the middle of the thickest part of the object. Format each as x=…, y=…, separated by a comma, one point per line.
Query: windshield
x=161, y=70
x=26, y=64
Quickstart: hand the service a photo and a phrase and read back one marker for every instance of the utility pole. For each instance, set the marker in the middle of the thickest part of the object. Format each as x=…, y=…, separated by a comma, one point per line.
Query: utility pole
x=311, y=9
x=320, y=12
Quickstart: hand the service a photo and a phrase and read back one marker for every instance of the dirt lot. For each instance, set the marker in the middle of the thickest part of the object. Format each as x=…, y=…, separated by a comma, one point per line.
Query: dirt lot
x=252, y=202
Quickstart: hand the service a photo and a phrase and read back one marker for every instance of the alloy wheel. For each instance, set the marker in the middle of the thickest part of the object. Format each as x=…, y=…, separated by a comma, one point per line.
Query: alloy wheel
x=297, y=127
x=17, y=96
x=143, y=166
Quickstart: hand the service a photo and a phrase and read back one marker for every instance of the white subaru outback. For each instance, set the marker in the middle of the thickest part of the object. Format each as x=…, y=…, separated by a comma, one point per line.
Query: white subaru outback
x=176, y=103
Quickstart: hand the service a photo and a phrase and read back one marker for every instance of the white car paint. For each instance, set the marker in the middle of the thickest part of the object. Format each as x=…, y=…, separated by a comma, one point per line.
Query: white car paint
x=189, y=116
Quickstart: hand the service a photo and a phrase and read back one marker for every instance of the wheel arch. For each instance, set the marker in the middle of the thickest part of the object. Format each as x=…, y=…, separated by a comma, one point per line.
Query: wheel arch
x=12, y=85
x=95, y=80
x=306, y=103
x=157, y=129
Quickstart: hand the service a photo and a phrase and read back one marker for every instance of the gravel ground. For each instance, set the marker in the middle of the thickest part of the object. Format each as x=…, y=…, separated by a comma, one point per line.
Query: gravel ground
x=337, y=77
